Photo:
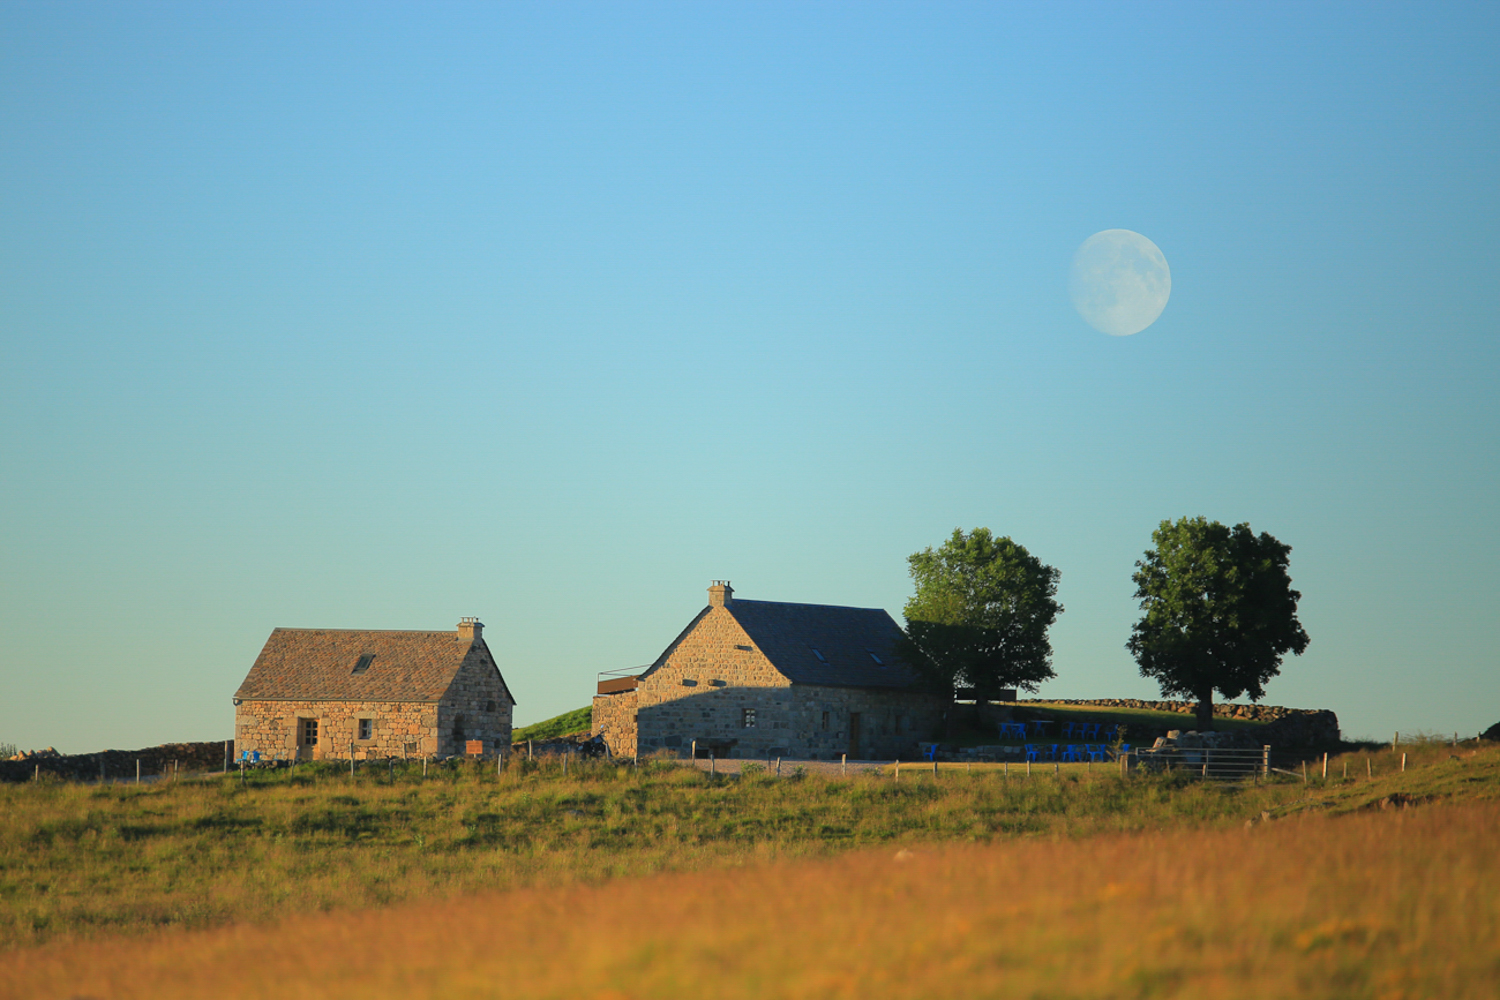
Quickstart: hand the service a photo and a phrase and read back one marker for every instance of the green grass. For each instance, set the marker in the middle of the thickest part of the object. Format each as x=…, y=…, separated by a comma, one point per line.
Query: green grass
x=576, y=721
x=84, y=860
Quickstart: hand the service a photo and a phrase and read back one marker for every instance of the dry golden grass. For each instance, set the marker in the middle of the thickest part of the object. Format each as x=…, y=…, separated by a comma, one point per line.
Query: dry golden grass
x=1400, y=903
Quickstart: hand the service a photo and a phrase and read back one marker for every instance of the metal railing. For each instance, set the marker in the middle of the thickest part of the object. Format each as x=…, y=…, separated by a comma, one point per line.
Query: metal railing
x=618, y=681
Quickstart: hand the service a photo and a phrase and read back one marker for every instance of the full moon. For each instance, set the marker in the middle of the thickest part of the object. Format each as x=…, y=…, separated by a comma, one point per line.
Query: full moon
x=1120, y=282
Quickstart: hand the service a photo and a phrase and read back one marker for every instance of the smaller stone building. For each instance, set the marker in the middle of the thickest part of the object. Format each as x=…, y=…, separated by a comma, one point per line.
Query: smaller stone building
x=756, y=679
x=316, y=694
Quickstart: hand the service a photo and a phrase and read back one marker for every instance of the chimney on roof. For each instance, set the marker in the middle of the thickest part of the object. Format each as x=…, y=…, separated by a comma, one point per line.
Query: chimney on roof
x=470, y=628
x=721, y=594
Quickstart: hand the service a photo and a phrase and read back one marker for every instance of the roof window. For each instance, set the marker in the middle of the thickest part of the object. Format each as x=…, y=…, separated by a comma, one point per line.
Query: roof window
x=819, y=654
x=364, y=663
x=877, y=659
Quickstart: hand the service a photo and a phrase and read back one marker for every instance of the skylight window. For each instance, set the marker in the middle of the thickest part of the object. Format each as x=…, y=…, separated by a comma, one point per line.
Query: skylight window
x=819, y=654
x=364, y=663
x=877, y=659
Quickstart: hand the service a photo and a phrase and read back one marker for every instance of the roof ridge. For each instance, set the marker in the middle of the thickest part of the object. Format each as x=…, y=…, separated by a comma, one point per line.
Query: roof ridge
x=403, y=631
x=804, y=604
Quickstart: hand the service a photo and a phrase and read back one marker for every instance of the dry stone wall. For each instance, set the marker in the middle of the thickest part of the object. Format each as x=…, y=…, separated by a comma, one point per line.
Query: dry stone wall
x=1288, y=727
x=120, y=764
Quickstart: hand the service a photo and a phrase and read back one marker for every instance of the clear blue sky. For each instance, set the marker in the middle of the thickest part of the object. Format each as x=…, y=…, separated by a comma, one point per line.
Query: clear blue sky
x=375, y=316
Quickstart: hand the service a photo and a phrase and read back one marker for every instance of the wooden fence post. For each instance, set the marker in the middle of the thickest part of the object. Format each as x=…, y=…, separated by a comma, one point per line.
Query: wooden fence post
x=1325, y=765
x=1403, y=763
x=843, y=765
x=1369, y=771
x=137, y=770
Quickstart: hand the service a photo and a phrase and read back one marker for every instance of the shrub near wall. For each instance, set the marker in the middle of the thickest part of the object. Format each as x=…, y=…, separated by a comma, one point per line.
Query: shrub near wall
x=121, y=763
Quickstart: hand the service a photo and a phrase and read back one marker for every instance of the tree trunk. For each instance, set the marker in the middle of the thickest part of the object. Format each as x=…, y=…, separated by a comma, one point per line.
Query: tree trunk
x=1205, y=711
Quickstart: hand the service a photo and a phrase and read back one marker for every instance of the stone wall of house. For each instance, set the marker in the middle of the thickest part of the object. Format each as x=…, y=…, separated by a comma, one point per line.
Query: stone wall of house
x=798, y=721
x=272, y=728
x=715, y=688
x=614, y=716
x=476, y=707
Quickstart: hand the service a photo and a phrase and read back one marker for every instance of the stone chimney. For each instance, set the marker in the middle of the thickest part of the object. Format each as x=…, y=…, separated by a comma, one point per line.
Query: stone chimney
x=721, y=594
x=470, y=628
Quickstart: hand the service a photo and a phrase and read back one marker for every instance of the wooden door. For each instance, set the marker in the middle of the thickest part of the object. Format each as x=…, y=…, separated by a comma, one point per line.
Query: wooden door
x=854, y=735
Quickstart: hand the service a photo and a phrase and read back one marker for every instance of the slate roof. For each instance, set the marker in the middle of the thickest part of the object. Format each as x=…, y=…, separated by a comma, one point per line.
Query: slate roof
x=317, y=664
x=788, y=634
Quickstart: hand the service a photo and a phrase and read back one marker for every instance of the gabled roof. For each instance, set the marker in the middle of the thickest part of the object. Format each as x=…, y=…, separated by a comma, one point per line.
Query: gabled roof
x=849, y=639
x=307, y=664
x=792, y=636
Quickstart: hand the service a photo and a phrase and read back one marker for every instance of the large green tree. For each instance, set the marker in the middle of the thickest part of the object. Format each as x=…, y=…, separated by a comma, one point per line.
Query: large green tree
x=980, y=615
x=1218, y=612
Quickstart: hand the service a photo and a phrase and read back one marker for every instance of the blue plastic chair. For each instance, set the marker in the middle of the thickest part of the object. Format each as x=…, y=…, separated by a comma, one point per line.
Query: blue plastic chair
x=1067, y=730
x=1070, y=753
x=1032, y=753
x=1094, y=728
x=930, y=751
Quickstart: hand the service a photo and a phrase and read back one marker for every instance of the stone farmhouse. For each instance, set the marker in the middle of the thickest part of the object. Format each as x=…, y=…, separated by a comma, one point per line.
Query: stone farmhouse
x=317, y=694
x=753, y=679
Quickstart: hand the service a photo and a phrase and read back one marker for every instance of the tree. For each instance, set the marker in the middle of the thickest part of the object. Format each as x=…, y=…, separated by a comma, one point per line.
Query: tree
x=1219, y=612
x=980, y=615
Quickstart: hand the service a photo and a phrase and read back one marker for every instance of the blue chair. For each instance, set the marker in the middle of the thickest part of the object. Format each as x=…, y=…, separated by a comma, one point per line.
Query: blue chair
x=1070, y=753
x=1067, y=730
x=1096, y=752
x=1094, y=728
x=1032, y=753
x=929, y=750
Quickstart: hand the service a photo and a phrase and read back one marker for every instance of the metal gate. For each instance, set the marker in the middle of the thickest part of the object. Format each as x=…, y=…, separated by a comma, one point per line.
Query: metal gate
x=1209, y=763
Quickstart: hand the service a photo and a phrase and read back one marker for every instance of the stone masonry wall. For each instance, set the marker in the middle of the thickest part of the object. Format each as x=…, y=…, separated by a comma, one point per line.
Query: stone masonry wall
x=715, y=676
x=271, y=727
x=614, y=716
x=476, y=707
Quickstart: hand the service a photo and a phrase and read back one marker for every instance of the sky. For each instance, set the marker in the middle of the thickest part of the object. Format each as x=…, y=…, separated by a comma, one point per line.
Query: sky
x=376, y=316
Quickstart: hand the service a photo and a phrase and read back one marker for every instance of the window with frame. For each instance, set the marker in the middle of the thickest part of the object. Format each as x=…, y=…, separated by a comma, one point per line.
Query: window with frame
x=366, y=729
x=749, y=718
x=308, y=736
x=363, y=663
x=825, y=722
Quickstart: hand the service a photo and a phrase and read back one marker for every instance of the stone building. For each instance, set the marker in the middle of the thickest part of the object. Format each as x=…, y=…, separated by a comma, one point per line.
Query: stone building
x=327, y=693
x=756, y=679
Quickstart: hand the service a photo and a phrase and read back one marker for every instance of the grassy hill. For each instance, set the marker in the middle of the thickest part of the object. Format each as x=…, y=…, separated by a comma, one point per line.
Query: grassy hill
x=89, y=860
x=576, y=721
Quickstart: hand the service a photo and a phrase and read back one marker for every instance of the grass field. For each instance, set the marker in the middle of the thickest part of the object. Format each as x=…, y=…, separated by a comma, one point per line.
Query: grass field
x=169, y=887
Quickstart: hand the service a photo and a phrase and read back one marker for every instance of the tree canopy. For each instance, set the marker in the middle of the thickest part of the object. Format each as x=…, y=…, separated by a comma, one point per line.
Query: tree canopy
x=980, y=615
x=1218, y=611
